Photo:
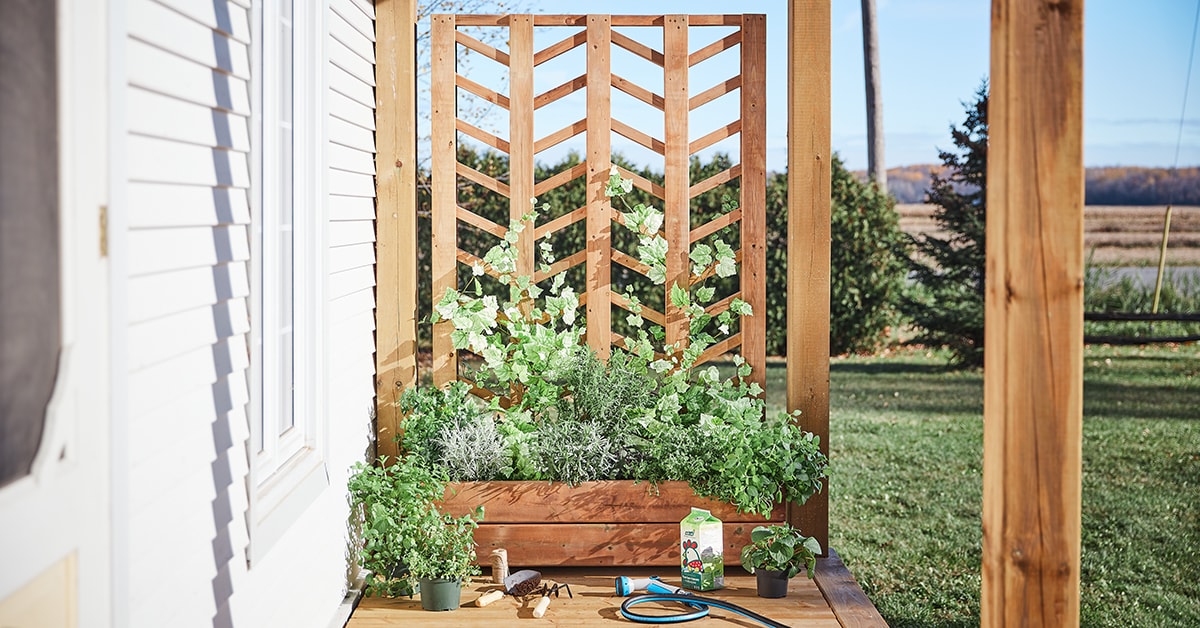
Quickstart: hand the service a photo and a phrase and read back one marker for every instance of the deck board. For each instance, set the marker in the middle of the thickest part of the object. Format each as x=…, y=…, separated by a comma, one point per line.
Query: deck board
x=596, y=604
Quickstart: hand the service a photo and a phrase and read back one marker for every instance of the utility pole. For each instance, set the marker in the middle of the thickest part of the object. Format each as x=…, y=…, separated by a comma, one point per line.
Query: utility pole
x=876, y=165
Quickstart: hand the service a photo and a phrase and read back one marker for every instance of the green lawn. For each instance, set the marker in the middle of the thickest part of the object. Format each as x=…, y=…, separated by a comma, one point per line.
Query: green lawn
x=906, y=439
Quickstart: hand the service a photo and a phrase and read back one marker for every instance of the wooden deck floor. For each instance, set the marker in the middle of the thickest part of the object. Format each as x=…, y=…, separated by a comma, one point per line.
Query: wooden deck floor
x=832, y=600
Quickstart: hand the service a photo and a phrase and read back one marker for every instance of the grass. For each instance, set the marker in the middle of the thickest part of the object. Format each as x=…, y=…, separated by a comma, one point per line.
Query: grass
x=906, y=441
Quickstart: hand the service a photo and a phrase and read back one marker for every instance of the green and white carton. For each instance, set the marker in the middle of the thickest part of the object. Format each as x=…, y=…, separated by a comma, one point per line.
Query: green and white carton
x=701, y=544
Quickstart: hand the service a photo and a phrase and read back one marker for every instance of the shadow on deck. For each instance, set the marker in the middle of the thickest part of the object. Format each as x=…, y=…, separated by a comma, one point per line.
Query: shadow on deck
x=832, y=599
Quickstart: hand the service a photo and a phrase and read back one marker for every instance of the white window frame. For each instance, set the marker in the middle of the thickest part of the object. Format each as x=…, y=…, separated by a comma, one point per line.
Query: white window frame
x=287, y=470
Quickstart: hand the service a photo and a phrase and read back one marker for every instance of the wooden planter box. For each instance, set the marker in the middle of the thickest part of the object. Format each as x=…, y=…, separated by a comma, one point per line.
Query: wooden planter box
x=607, y=523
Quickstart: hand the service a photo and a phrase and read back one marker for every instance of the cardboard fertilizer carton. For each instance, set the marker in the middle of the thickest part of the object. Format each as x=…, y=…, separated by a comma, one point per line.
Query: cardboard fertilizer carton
x=702, y=544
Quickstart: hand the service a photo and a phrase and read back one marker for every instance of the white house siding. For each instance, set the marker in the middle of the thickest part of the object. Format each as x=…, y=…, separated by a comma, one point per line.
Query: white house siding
x=188, y=141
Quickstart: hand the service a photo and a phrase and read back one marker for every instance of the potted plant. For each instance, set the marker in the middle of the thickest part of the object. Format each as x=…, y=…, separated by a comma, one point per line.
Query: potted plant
x=442, y=556
x=405, y=539
x=776, y=554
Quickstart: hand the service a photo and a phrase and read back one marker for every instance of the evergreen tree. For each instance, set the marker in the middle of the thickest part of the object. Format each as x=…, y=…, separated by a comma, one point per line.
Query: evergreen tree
x=946, y=304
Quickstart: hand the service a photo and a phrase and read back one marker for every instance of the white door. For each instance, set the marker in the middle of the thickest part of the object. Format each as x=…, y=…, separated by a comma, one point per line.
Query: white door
x=55, y=540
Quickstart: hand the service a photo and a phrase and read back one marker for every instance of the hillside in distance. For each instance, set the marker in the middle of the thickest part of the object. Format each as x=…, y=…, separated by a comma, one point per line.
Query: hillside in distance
x=1113, y=185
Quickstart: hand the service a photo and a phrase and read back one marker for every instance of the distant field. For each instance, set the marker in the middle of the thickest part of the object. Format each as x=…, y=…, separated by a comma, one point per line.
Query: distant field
x=1113, y=235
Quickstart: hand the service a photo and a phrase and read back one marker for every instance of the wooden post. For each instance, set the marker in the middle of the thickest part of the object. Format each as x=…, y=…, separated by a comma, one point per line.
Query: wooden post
x=676, y=177
x=599, y=208
x=444, y=192
x=396, y=213
x=520, y=138
x=1033, y=364
x=754, y=194
x=809, y=237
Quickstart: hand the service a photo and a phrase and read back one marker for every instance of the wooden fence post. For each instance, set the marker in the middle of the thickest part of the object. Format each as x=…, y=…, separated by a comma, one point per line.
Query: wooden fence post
x=444, y=191
x=809, y=237
x=1033, y=364
x=753, y=188
x=396, y=213
x=599, y=208
x=676, y=176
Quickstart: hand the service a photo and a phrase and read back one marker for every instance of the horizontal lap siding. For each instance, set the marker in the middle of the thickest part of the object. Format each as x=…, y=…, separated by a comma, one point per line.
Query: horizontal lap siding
x=187, y=109
x=189, y=151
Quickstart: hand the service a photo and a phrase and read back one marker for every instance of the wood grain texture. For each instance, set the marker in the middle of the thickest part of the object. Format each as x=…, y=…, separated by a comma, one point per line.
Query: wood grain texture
x=809, y=236
x=599, y=208
x=396, y=216
x=595, y=603
x=520, y=137
x=754, y=194
x=845, y=598
x=608, y=501
x=676, y=177
x=1033, y=383
x=444, y=193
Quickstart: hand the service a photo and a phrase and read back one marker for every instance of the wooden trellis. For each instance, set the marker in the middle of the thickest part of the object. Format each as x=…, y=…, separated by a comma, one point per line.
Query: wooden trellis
x=677, y=189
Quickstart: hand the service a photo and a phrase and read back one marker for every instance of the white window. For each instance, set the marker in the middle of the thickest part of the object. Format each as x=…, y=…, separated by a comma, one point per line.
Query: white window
x=286, y=413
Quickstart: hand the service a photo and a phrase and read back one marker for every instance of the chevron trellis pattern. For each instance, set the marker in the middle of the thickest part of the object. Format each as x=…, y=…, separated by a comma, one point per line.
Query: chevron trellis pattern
x=676, y=192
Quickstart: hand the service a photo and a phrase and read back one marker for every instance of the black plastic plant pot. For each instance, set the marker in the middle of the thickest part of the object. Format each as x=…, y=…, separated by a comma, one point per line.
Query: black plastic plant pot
x=771, y=583
x=438, y=594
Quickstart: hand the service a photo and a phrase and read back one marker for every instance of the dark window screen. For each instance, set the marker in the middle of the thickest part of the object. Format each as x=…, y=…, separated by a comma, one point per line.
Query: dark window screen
x=30, y=317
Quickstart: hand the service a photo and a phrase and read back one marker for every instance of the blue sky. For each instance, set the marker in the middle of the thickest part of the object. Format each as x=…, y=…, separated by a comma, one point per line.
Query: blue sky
x=934, y=54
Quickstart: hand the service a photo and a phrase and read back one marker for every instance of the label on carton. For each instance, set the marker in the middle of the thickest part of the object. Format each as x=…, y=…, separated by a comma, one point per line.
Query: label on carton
x=702, y=544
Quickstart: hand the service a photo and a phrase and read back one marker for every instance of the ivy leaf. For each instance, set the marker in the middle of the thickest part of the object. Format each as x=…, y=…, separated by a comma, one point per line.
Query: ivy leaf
x=679, y=296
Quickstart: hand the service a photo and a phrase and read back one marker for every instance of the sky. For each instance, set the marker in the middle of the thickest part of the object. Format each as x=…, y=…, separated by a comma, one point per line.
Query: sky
x=933, y=57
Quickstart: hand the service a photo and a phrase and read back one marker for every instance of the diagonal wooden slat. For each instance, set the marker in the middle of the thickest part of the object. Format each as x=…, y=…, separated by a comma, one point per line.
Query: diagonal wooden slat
x=638, y=92
x=715, y=225
x=717, y=47
x=641, y=138
x=561, y=178
x=476, y=176
x=553, y=94
x=630, y=262
x=638, y=48
x=715, y=309
x=479, y=222
x=720, y=349
x=724, y=176
x=481, y=135
x=729, y=130
x=467, y=259
x=561, y=135
x=480, y=47
x=714, y=92
x=494, y=97
x=561, y=265
x=558, y=48
x=652, y=315
x=562, y=222
x=642, y=183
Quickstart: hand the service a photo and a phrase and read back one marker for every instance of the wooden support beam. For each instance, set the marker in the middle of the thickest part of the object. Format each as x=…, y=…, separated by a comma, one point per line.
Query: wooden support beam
x=520, y=136
x=809, y=237
x=1033, y=364
x=599, y=208
x=395, y=213
x=753, y=191
x=444, y=189
x=676, y=179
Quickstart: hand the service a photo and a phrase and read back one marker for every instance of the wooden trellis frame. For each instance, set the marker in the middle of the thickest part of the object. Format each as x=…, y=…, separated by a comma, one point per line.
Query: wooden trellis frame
x=676, y=191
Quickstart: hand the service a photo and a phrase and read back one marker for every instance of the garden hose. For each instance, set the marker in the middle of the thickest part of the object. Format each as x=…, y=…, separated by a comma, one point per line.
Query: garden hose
x=700, y=606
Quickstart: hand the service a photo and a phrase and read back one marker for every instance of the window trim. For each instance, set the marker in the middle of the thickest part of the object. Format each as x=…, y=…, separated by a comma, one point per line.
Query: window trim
x=283, y=484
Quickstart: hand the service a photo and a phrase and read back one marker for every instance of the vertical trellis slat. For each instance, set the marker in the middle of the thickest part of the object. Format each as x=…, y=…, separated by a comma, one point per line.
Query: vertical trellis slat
x=444, y=192
x=599, y=208
x=676, y=180
x=754, y=193
x=520, y=139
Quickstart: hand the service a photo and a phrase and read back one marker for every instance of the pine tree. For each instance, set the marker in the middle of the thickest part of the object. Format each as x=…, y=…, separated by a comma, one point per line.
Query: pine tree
x=946, y=304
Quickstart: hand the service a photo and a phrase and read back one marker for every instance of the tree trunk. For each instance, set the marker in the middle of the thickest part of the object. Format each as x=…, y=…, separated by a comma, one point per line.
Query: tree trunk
x=876, y=165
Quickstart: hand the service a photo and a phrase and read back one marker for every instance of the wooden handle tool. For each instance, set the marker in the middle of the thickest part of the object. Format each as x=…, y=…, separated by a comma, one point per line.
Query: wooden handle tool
x=489, y=597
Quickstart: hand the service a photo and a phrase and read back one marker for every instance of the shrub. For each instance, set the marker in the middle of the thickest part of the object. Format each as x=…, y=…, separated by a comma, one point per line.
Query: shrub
x=946, y=305
x=867, y=264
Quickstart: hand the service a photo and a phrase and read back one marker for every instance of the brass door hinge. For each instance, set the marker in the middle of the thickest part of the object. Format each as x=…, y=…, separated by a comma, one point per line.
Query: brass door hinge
x=104, y=231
